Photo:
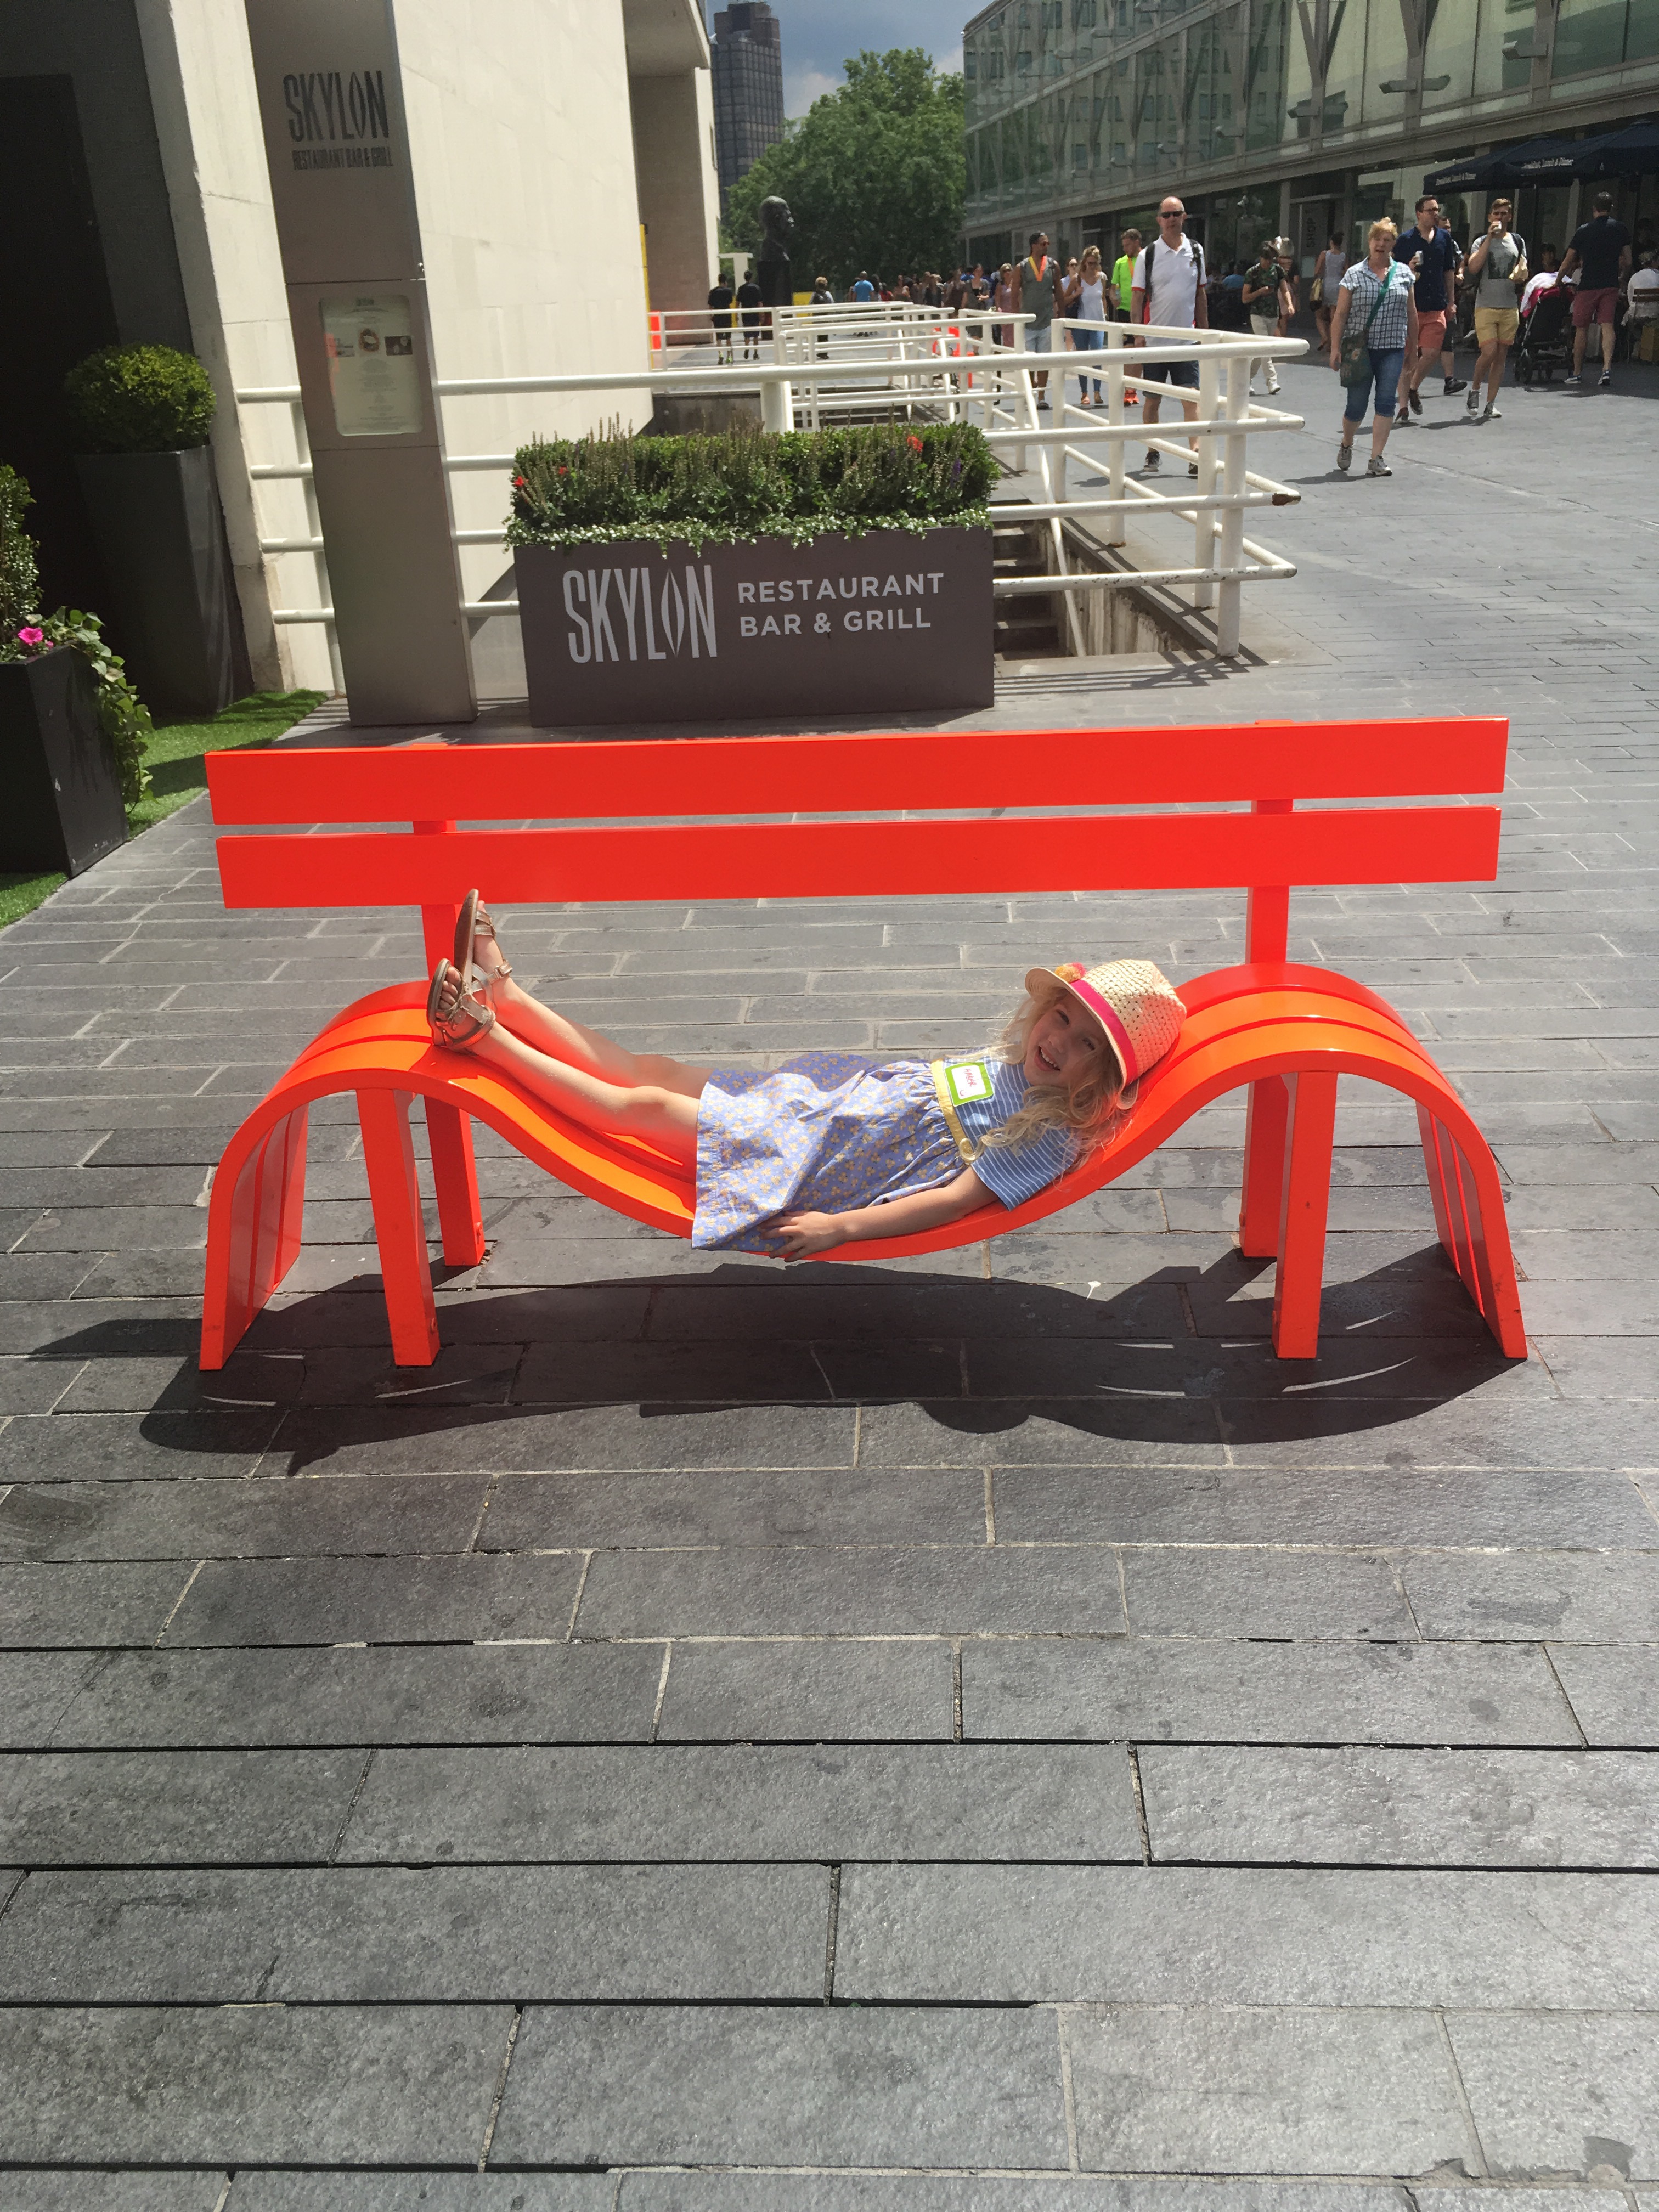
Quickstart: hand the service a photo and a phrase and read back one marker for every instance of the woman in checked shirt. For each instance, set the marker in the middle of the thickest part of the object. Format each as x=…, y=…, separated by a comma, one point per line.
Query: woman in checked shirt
x=1375, y=303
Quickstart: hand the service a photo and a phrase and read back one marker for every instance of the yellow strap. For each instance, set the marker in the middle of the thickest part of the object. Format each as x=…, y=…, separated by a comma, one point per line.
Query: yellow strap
x=965, y=1147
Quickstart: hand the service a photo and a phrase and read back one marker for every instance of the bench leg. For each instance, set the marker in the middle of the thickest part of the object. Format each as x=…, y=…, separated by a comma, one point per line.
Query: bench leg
x=399, y=1230
x=1306, y=1204
x=1264, y=1168
x=253, y=1236
x=455, y=1178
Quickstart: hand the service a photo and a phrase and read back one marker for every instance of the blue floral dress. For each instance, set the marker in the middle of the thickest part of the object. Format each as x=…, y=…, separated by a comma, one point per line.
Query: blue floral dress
x=833, y=1130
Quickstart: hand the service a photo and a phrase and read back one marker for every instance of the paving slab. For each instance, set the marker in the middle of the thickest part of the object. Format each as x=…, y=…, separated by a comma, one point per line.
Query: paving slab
x=1255, y=1935
x=424, y=2192
x=390, y=1936
x=1209, y=2089
x=872, y=1590
x=899, y=1690
x=1379, y=1808
x=273, y=1519
x=820, y=2192
x=451, y=1598
x=227, y=1699
x=1614, y=1690
x=112, y=1807
x=1080, y=1688
x=408, y=2085
x=45, y=2189
x=1580, y=1597
x=759, y=1803
x=629, y=1511
x=1565, y=2095
x=810, y=2086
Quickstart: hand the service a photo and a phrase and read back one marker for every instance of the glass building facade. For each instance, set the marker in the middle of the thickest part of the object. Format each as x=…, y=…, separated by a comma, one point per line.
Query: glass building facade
x=747, y=58
x=1283, y=118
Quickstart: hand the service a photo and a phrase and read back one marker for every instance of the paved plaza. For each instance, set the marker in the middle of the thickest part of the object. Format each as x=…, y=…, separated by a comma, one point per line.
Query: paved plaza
x=970, y=1735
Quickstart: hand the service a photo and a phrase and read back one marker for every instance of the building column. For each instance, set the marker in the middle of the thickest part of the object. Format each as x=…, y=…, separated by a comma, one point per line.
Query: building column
x=679, y=197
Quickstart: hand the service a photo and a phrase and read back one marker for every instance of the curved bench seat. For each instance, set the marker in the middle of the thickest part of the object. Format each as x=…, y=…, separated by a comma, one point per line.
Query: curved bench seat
x=1288, y=1031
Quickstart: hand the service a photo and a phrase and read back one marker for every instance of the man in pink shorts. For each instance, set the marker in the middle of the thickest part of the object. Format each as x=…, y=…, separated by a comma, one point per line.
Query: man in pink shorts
x=1432, y=255
x=1601, y=250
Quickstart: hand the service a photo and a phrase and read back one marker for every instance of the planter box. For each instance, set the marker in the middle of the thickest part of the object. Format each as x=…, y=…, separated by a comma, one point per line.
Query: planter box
x=883, y=624
x=63, y=806
x=155, y=519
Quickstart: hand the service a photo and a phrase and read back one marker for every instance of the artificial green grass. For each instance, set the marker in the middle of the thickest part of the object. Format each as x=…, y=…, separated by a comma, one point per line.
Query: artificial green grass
x=176, y=759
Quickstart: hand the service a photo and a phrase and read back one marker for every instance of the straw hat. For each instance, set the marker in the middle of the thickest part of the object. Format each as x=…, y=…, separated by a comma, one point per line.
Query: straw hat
x=1134, y=1003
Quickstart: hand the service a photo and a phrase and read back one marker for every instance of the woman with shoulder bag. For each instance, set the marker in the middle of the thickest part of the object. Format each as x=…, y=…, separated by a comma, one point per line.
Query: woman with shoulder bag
x=1373, y=329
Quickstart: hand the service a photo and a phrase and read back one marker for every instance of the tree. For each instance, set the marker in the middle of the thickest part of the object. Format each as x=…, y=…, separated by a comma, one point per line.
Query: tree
x=875, y=174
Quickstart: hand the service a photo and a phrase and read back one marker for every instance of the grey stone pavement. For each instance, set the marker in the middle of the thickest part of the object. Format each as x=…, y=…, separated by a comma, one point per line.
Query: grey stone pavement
x=976, y=1733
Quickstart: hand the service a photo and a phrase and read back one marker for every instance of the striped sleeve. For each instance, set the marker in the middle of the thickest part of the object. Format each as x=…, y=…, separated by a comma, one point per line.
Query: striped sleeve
x=1014, y=1173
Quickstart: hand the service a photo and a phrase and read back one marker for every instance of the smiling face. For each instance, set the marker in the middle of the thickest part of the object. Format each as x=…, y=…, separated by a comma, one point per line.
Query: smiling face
x=1065, y=1045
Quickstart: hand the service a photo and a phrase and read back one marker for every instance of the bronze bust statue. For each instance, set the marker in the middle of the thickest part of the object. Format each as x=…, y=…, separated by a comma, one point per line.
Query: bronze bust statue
x=772, y=274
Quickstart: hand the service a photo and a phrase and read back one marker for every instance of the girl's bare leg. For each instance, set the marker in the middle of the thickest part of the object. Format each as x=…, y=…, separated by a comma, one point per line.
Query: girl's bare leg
x=557, y=1037
x=664, y=1117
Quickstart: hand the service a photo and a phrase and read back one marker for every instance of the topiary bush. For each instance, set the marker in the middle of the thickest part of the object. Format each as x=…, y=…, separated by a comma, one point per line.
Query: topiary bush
x=139, y=399
x=746, y=483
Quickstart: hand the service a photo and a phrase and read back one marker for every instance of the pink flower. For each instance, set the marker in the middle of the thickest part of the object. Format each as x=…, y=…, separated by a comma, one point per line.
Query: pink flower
x=31, y=637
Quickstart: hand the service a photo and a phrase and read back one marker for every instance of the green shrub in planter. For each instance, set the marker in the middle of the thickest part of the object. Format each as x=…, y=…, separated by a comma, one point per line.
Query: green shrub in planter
x=748, y=483
x=26, y=633
x=139, y=399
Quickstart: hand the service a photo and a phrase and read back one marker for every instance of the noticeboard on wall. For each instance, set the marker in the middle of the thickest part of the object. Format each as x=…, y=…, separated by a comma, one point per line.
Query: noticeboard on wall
x=373, y=375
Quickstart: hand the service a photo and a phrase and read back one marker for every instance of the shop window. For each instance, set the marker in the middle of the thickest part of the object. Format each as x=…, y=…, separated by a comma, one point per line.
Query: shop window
x=1589, y=35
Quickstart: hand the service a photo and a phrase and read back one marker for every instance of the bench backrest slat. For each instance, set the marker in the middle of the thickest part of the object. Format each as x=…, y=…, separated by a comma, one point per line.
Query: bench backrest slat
x=845, y=860
x=943, y=770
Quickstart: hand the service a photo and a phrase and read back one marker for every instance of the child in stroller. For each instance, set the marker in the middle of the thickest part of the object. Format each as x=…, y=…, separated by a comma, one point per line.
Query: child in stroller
x=1545, y=326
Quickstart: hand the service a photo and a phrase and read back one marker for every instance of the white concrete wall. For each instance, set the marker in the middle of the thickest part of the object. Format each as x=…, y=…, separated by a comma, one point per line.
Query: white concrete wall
x=519, y=125
x=201, y=84
x=678, y=186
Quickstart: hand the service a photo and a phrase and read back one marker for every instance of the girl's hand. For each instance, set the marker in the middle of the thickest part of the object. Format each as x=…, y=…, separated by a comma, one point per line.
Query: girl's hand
x=806, y=1235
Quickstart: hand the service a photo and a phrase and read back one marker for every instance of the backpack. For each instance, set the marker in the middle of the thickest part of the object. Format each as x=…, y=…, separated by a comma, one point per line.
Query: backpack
x=1144, y=269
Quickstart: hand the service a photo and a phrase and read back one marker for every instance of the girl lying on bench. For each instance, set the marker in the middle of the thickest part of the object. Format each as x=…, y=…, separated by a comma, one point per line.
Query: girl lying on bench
x=830, y=1149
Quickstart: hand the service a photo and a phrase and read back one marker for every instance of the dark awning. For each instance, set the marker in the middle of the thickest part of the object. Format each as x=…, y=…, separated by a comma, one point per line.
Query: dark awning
x=1631, y=153
x=1535, y=161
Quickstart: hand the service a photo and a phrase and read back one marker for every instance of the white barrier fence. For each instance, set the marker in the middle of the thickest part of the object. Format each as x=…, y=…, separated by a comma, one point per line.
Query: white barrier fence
x=974, y=366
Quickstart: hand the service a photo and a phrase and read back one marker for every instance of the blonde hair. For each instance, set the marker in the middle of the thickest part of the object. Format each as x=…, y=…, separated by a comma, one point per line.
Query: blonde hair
x=1092, y=254
x=1381, y=228
x=1088, y=1109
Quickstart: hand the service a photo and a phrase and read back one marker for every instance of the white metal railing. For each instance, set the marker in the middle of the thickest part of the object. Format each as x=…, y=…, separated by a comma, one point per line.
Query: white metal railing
x=970, y=364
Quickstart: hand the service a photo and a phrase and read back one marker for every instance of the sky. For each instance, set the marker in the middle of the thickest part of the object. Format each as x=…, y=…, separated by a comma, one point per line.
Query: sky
x=819, y=35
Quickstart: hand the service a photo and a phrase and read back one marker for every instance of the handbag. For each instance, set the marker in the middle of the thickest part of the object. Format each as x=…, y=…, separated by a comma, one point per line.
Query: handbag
x=1354, y=361
x=1316, y=293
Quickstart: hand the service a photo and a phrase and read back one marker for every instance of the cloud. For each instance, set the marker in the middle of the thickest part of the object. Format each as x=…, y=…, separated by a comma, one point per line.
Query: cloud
x=950, y=65
x=801, y=86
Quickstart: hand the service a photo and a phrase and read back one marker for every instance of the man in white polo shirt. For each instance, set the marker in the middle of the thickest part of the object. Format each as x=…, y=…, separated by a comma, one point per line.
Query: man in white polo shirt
x=1169, y=288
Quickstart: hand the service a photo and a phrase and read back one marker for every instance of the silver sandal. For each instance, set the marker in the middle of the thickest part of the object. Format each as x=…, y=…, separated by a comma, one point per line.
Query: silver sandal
x=473, y=922
x=457, y=1018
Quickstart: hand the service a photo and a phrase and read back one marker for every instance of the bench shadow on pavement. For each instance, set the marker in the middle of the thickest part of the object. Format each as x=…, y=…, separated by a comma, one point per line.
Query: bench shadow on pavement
x=1182, y=1356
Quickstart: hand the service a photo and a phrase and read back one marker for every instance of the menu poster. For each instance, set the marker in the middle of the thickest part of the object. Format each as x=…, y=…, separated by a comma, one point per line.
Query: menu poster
x=372, y=370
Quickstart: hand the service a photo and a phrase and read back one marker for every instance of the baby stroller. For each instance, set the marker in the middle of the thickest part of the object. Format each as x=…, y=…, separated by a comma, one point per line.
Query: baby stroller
x=1545, y=338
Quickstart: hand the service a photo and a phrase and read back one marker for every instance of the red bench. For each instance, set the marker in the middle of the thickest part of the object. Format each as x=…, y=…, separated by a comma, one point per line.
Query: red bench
x=1285, y=1030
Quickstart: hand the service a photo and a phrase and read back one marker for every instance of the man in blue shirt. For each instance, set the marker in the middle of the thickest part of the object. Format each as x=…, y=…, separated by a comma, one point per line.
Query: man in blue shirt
x=1433, y=259
x=863, y=289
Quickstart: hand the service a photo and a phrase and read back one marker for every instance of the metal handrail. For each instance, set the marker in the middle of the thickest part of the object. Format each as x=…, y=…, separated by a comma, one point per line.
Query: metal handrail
x=836, y=351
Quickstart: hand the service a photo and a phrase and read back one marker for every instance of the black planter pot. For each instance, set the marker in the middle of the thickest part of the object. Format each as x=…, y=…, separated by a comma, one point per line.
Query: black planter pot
x=881, y=624
x=156, y=518
x=62, y=793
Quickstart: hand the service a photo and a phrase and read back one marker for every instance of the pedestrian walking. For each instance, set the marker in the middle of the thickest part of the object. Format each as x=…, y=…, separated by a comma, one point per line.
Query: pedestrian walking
x=748, y=308
x=1036, y=294
x=720, y=297
x=1332, y=262
x=1497, y=268
x=1002, y=299
x=1262, y=296
x=1428, y=250
x=1287, y=297
x=1373, y=333
x=1086, y=306
x=861, y=288
x=1123, y=276
x=1168, y=290
x=1600, y=248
